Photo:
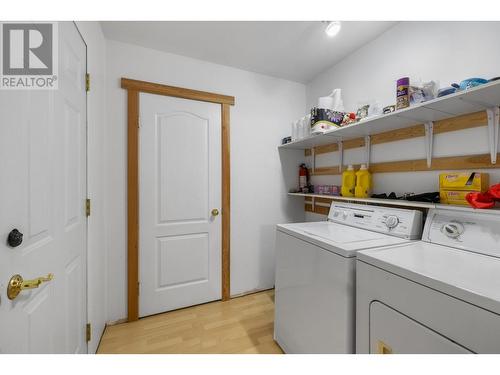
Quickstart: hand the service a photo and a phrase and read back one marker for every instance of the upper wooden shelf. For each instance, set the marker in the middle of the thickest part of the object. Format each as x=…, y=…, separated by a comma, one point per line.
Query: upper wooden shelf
x=460, y=103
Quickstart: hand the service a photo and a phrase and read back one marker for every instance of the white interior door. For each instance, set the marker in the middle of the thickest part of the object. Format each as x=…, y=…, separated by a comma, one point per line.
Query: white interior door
x=42, y=195
x=180, y=185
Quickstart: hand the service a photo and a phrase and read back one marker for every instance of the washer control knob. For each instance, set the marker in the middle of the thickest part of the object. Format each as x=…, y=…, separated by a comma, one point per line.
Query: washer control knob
x=391, y=222
x=344, y=215
x=453, y=229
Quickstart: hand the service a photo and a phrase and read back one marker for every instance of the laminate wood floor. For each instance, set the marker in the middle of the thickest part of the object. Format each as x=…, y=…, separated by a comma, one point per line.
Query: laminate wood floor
x=240, y=325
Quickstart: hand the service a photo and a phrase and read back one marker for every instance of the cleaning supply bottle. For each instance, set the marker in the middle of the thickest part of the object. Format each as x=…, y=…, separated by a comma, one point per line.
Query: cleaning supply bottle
x=363, y=182
x=348, y=182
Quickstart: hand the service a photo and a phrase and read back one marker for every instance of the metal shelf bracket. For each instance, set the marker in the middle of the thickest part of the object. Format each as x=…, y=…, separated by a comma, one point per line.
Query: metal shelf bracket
x=429, y=141
x=341, y=155
x=367, y=150
x=493, y=117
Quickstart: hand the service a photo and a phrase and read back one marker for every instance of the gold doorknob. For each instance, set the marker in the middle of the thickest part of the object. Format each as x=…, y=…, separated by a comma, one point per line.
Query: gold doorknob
x=215, y=212
x=17, y=284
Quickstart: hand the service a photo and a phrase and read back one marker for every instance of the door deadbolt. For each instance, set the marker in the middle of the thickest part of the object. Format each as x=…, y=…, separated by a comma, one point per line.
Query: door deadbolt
x=15, y=238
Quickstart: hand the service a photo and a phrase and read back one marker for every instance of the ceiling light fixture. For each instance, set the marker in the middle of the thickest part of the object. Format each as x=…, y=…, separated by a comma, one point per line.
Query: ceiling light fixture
x=332, y=28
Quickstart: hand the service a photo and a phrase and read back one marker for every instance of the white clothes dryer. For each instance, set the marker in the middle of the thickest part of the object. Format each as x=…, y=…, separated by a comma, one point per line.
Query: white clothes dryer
x=438, y=295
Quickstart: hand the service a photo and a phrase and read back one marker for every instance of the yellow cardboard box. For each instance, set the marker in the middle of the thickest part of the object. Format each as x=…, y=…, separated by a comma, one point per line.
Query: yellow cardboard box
x=464, y=181
x=454, y=197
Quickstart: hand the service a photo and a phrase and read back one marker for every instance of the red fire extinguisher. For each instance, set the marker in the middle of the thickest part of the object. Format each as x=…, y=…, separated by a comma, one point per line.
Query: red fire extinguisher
x=303, y=178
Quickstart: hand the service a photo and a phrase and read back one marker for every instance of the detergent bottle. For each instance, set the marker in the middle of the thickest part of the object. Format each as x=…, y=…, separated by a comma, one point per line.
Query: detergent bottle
x=363, y=182
x=348, y=182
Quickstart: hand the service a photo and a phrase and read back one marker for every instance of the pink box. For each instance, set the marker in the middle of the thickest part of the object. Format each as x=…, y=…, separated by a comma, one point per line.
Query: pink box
x=327, y=189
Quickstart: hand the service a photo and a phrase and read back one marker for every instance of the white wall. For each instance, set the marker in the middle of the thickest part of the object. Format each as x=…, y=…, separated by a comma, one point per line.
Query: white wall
x=96, y=260
x=443, y=51
x=264, y=108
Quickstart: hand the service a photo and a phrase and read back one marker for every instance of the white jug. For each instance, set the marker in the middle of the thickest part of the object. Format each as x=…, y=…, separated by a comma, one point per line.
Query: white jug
x=332, y=101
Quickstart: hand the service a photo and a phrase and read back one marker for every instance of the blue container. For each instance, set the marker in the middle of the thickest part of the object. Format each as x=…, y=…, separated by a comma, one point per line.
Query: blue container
x=469, y=83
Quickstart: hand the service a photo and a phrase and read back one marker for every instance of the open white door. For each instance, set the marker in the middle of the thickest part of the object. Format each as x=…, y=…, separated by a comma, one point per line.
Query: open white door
x=179, y=200
x=42, y=195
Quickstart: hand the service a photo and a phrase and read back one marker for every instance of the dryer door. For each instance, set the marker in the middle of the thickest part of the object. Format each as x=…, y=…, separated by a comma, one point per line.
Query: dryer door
x=392, y=332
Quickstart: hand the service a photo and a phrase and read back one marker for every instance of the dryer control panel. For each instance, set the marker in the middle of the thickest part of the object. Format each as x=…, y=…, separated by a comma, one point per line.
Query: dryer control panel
x=396, y=222
x=477, y=231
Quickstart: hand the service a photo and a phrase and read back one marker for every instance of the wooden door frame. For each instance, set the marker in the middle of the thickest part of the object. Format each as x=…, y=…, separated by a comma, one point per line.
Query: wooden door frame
x=133, y=88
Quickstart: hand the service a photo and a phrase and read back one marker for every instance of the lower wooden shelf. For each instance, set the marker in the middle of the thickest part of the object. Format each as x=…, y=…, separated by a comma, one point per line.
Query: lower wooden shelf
x=394, y=202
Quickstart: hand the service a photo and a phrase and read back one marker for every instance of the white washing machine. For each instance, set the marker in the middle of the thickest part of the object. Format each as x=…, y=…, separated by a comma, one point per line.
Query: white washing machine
x=438, y=295
x=315, y=273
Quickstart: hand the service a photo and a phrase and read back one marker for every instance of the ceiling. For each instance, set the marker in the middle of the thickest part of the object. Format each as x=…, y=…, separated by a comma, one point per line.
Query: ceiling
x=293, y=50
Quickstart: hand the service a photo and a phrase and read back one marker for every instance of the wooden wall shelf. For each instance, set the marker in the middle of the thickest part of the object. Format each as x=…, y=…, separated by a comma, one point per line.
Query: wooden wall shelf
x=463, y=110
x=316, y=199
x=387, y=202
x=475, y=107
x=481, y=98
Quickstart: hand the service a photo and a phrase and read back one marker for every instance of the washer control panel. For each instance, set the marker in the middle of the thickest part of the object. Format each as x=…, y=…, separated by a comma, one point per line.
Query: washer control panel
x=397, y=222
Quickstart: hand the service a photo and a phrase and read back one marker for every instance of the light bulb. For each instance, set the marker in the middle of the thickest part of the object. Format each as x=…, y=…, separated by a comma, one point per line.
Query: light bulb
x=332, y=28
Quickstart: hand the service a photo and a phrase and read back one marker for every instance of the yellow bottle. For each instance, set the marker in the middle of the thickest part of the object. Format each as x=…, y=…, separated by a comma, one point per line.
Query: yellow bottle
x=363, y=183
x=348, y=182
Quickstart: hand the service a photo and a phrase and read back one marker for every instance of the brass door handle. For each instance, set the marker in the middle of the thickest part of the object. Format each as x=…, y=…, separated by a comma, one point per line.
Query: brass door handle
x=18, y=284
x=215, y=212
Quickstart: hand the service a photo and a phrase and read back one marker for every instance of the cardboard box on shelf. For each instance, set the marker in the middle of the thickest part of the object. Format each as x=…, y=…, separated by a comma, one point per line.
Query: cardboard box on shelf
x=464, y=181
x=454, y=197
